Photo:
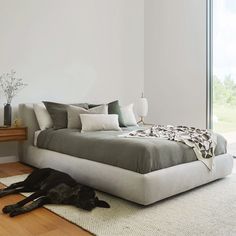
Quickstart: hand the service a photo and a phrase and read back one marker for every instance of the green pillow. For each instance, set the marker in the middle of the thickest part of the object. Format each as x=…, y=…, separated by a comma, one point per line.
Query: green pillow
x=114, y=108
x=58, y=113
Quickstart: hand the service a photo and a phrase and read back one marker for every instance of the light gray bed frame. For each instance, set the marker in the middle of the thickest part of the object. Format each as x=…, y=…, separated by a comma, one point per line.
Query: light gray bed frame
x=144, y=189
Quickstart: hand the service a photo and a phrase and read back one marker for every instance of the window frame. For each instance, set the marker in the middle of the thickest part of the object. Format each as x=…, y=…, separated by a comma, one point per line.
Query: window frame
x=209, y=64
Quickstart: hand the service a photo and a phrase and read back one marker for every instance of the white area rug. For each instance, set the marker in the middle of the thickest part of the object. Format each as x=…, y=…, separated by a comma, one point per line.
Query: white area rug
x=208, y=210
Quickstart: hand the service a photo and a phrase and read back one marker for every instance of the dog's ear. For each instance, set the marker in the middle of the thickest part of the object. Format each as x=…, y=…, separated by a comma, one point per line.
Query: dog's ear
x=100, y=203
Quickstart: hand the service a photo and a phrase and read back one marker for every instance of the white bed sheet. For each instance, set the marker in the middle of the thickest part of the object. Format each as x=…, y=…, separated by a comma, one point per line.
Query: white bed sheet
x=36, y=134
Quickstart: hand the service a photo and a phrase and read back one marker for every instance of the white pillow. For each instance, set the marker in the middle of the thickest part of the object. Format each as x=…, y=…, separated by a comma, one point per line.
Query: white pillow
x=128, y=115
x=42, y=115
x=99, y=122
x=74, y=112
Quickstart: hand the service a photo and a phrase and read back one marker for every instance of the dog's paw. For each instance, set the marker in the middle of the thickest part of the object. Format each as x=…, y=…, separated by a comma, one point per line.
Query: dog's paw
x=15, y=212
x=8, y=209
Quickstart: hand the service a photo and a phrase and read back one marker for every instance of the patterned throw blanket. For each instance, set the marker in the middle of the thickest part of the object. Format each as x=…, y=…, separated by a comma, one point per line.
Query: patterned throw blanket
x=202, y=141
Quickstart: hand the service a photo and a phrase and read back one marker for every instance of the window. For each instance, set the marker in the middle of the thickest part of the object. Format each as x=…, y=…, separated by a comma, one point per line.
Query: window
x=223, y=83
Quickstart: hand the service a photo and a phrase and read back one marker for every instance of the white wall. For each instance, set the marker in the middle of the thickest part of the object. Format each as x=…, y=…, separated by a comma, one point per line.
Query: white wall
x=73, y=50
x=101, y=50
x=175, y=61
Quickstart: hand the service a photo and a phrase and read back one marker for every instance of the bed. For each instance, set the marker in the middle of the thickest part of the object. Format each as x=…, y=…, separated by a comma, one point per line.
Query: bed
x=142, y=185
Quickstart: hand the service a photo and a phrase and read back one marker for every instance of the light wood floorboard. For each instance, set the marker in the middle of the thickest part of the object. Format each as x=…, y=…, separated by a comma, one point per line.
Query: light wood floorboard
x=38, y=222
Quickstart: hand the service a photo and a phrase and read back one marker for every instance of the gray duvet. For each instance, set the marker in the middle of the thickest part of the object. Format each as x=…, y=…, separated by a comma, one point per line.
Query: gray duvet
x=142, y=155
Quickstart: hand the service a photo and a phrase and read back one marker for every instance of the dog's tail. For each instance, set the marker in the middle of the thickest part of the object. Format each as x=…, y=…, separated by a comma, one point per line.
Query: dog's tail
x=100, y=203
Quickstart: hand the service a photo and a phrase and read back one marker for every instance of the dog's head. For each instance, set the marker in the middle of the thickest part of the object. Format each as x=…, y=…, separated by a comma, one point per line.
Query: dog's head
x=87, y=200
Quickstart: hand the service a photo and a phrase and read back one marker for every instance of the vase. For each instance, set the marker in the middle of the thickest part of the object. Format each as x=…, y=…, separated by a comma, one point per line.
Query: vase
x=7, y=114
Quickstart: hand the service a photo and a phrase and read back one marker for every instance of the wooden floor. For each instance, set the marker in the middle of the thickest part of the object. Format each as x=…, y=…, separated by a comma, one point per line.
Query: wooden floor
x=38, y=222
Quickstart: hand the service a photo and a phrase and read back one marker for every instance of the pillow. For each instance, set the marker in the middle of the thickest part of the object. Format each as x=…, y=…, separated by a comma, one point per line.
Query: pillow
x=113, y=108
x=58, y=113
x=74, y=112
x=43, y=117
x=128, y=115
x=99, y=122
x=90, y=105
x=83, y=105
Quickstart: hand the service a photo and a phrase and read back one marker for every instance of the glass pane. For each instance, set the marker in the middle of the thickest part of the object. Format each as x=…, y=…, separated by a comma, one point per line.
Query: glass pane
x=224, y=70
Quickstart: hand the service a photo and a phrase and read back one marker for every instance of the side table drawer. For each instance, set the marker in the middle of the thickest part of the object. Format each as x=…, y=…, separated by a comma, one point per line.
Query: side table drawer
x=13, y=134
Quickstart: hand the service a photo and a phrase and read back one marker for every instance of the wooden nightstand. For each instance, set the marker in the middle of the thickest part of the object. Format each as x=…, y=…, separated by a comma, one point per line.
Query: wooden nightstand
x=13, y=134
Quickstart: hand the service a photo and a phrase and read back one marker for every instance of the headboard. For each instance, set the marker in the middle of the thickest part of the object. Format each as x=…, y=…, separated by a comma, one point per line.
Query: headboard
x=27, y=115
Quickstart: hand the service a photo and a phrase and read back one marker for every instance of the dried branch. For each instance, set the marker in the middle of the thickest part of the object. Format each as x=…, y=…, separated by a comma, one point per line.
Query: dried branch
x=11, y=85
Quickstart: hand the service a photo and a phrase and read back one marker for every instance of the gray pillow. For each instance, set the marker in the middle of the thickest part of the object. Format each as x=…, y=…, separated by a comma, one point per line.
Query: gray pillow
x=73, y=114
x=58, y=113
x=113, y=108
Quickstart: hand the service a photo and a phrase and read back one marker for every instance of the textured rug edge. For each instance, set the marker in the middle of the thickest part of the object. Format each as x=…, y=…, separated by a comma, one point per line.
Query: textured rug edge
x=175, y=216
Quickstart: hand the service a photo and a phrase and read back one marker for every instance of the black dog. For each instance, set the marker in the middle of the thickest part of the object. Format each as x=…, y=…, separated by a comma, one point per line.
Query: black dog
x=51, y=187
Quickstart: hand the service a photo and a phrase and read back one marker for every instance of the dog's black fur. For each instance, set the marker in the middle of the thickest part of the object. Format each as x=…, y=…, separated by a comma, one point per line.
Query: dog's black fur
x=51, y=187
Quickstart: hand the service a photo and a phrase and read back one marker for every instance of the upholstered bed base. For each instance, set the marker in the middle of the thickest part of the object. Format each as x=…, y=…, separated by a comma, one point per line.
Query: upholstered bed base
x=140, y=188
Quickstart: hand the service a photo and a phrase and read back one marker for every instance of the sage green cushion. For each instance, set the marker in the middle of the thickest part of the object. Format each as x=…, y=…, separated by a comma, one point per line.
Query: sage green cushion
x=58, y=113
x=114, y=108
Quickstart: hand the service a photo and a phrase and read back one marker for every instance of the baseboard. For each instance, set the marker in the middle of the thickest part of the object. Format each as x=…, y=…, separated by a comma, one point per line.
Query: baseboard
x=8, y=159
